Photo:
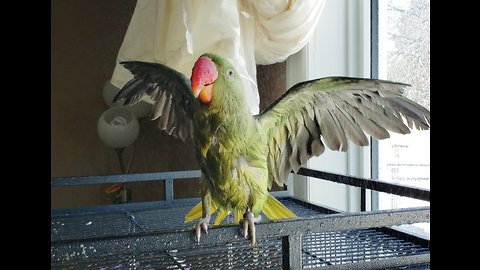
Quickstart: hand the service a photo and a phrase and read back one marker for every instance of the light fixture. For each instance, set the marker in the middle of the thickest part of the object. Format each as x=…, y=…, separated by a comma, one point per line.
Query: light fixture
x=118, y=128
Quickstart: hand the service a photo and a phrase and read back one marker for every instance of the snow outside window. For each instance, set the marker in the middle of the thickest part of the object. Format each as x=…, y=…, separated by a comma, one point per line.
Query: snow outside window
x=403, y=55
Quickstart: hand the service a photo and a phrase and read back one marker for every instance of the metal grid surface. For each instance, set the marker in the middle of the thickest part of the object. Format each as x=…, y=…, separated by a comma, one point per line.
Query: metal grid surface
x=343, y=247
x=108, y=230
x=236, y=255
x=76, y=227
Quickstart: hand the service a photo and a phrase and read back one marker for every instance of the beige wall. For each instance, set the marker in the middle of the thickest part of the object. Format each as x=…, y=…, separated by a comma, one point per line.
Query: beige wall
x=85, y=39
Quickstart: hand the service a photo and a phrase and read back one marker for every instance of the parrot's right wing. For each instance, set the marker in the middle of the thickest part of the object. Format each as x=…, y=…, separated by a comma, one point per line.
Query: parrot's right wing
x=334, y=110
x=174, y=103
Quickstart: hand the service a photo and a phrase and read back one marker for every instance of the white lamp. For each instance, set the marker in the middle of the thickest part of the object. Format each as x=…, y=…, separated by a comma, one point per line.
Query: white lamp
x=140, y=109
x=118, y=127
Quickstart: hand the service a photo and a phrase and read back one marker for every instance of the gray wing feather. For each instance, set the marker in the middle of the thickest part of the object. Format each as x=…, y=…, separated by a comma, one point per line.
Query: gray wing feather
x=174, y=103
x=333, y=111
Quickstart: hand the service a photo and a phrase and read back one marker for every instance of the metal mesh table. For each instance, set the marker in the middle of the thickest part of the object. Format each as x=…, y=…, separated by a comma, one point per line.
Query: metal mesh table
x=157, y=238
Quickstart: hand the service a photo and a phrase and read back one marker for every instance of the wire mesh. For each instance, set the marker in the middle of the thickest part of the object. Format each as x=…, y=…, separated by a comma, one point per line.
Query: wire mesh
x=318, y=249
x=341, y=247
x=267, y=254
x=75, y=227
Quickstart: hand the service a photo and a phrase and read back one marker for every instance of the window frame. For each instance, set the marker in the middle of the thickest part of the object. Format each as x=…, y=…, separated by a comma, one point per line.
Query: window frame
x=340, y=46
x=347, y=30
x=375, y=73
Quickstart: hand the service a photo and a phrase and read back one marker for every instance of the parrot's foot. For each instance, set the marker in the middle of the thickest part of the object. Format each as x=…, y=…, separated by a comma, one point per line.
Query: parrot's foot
x=202, y=225
x=248, y=226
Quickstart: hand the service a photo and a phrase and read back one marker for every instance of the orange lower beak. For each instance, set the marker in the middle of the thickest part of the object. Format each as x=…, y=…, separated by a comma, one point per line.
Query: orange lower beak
x=204, y=94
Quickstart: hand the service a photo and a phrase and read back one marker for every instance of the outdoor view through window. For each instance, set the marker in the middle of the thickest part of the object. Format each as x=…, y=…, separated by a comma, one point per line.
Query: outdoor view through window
x=404, y=56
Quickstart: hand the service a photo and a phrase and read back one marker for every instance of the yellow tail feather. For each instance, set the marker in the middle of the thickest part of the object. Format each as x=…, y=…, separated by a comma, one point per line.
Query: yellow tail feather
x=220, y=216
x=196, y=212
x=274, y=209
x=238, y=215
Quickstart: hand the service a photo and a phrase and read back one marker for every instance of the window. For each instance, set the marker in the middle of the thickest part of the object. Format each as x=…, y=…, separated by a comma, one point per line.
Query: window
x=401, y=52
x=383, y=39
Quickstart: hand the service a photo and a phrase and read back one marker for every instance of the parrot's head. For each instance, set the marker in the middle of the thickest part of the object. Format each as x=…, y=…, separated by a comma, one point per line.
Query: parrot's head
x=215, y=79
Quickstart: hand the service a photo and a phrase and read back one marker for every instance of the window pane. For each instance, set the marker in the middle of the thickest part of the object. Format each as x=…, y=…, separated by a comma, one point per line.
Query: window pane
x=404, y=56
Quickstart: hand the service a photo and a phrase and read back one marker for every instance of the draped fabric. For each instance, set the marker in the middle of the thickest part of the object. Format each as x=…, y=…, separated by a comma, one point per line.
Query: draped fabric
x=247, y=32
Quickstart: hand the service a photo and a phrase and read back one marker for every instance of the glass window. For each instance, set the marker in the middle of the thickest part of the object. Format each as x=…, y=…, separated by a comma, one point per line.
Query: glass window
x=402, y=54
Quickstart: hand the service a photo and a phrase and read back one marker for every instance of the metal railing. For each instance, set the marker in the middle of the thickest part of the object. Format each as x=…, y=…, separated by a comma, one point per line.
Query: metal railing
x=291, y=232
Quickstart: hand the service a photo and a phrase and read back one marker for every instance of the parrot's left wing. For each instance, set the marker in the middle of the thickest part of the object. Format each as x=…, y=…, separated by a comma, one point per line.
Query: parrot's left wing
x=170, y=90
x=336, y=109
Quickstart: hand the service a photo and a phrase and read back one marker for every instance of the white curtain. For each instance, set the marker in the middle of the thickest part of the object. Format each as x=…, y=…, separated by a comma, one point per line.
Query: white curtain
x=247, y=32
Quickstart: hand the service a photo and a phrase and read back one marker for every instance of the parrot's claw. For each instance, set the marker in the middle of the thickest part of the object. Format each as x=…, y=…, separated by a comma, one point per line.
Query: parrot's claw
x=248, y=226
x=202, y=225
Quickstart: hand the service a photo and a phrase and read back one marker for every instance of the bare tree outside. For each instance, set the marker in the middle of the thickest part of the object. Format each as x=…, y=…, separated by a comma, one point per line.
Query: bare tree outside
x=409, y=60
x=404, y=56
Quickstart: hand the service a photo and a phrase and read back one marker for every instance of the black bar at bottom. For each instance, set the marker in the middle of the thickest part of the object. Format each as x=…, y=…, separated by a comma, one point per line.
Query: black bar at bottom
x=401, y=261
x=285, y=253
x=363, y=200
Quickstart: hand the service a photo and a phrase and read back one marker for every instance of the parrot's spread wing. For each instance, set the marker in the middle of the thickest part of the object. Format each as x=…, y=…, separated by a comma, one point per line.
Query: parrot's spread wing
x=174, y=103
x=333, y=110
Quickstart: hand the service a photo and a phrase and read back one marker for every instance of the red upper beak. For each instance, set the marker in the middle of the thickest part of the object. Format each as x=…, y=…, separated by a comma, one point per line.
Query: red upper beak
x=204, y=74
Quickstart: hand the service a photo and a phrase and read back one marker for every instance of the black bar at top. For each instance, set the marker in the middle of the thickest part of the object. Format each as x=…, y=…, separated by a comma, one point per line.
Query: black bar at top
x=406, y=191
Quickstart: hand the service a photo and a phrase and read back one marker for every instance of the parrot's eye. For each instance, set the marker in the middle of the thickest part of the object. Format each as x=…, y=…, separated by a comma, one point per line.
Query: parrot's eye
x=229, y=74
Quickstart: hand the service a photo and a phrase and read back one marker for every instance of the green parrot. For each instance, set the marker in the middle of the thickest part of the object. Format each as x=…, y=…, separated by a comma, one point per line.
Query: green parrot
x=240, y=155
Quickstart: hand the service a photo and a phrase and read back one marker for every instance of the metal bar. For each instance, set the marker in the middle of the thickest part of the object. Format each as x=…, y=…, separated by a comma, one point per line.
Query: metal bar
x=374, y=64
x=411, y=192
x=420, y=259
x=416, y=193
x=285, y=253
x=374, y=55
x=169, y=191
x=320, y=208
x=141, y=206
x=295, y=251
x=119, y=208
x=160, y=240
x=412, y=237
x=363, y=200
x=122, y=178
